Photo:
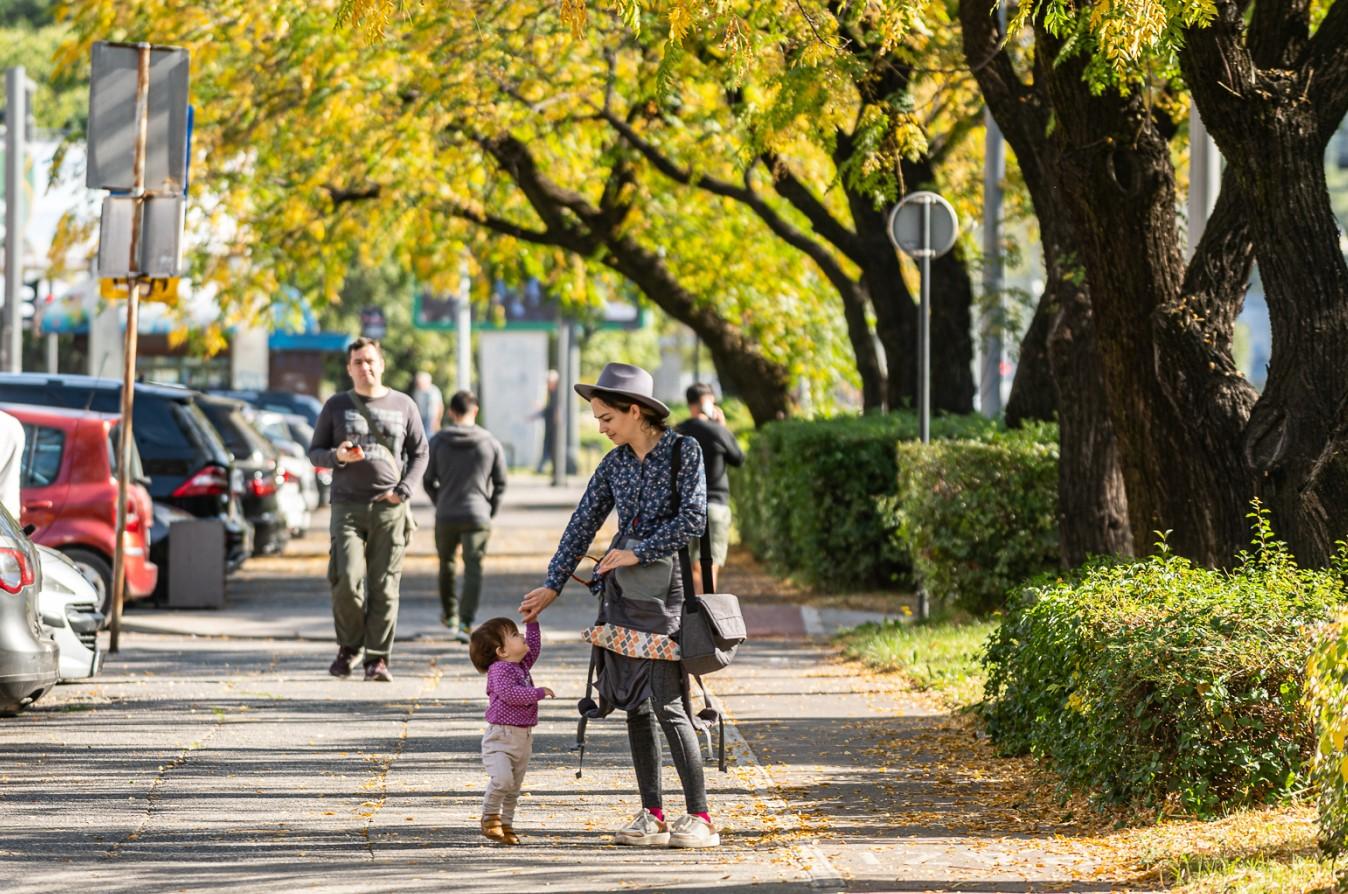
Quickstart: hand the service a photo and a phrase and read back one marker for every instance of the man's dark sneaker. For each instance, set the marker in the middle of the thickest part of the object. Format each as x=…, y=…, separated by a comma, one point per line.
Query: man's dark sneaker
x=378, y=670
x=341, y=666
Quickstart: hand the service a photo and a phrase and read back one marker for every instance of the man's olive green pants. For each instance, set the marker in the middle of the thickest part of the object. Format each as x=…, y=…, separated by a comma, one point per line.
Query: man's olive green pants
x=448, y=536
x=368, y=542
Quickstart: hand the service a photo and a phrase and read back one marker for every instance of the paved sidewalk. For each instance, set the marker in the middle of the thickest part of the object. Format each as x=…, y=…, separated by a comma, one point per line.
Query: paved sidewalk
x=523, y=539
x=215, y=753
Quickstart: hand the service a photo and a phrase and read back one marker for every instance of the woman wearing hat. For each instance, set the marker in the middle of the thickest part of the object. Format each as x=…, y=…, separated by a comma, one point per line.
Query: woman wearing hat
x=637, y=478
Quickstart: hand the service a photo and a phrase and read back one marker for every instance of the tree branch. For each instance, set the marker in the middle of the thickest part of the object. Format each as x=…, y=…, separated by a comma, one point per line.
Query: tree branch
x=499, y=225
x=743, y=194
x=345, y=195
x=547, y=198
x=803, y=199
x=1327, y=58
x=1278, y=31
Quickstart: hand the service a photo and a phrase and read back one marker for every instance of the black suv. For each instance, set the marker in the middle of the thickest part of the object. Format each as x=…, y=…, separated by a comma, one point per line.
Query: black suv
x=257, y=460
x=305, y=405
x=183, y=457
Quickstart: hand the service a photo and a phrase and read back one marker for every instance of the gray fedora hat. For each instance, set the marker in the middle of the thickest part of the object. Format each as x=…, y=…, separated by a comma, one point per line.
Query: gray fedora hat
x=629, y=381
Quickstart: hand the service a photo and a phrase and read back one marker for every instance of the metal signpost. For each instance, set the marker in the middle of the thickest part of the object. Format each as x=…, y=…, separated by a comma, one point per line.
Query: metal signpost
x=923, y=226
x=18, y=117
x=138, y=135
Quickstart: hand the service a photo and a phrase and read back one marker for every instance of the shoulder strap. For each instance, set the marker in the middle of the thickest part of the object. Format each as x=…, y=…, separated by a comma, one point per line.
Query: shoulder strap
x=685, y=560
x=369, y=421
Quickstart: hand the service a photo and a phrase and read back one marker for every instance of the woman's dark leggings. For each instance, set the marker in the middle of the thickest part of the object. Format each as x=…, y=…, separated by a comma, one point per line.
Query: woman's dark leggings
x=666, y=706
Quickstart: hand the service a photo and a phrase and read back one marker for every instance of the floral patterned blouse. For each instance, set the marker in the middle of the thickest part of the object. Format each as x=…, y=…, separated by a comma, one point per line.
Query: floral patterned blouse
x=641, y=492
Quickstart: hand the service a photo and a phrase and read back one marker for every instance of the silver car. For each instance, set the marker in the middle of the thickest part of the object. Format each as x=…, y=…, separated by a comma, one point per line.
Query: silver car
x=29, y=660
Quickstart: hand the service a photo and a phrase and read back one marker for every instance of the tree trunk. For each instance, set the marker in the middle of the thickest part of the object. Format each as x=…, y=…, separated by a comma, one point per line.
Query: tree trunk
x=1059, y=365
x=873, y=378
x=1117, y=179
x=1092, y=499
x=1272, y=99
x=764, y=385
x=1033, y=393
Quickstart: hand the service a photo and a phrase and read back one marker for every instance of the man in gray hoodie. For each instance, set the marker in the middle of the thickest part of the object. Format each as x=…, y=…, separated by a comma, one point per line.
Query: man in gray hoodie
x=466, y=478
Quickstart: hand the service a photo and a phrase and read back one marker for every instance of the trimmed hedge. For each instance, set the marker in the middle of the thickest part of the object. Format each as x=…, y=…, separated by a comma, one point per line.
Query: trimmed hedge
x=809, y=499
x=1328, y=699
x=1157, y=682
x=979, y=517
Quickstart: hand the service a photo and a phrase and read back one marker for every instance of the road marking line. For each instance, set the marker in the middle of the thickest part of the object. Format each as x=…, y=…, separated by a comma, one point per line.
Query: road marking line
x=815, y=863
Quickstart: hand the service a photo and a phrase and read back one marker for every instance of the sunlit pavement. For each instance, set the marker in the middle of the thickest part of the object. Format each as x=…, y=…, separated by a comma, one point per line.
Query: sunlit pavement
x=215, y=752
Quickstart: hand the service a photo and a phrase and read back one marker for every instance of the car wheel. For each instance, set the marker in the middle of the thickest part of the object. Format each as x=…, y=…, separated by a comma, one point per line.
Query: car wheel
x=98, y=572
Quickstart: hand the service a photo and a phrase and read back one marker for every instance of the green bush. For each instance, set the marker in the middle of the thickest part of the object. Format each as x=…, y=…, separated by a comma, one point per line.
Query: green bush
x=809, y=499
x=1328, y=698
x=1156, y=682
x=979, y=517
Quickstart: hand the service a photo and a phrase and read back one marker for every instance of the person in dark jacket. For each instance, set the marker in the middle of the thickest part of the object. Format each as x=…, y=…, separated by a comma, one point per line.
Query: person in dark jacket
x=466, y=479
x=706, y=425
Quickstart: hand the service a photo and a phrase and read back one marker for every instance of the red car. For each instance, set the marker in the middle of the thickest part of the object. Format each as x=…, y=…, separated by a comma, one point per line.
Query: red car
x=68, y=492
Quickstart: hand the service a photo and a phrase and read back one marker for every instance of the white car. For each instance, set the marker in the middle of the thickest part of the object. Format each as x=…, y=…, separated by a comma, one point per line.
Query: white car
x=68, y=607
x=299, y=494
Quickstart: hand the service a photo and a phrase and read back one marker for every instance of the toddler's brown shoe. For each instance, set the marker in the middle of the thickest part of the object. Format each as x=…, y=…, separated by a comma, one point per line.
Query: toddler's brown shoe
x=508, y=834
x=492, y=828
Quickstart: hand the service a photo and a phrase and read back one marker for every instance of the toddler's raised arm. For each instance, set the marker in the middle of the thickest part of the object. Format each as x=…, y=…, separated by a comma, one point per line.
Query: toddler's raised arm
x=533, y=637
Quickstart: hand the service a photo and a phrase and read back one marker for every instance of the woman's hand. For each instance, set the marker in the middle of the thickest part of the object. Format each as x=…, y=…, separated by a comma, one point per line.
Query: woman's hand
x=548, y=693
x=535, y=601
x=616, y=558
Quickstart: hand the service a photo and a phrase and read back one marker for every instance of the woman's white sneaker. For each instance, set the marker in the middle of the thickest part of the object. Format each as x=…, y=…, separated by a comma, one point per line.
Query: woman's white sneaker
x=643, y=831
x=693, y=831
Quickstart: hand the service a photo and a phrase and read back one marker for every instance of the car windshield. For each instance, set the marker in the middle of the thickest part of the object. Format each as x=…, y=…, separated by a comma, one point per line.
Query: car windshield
x=302, y=432
x=222, y=418
x=114, y=441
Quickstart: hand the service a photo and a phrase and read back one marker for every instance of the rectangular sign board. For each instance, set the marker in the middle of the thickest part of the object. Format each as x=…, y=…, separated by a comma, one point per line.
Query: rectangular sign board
x=161, y=230
x=112, y=119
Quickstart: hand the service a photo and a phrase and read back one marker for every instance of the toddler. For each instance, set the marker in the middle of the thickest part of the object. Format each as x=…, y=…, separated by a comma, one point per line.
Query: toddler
x=499, y=651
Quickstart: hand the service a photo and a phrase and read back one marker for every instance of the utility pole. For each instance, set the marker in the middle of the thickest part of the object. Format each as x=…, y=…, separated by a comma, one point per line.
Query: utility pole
x=1205, y=177
x=561, y=404
x=990, y=317
x=16, y=148
x=463, y=329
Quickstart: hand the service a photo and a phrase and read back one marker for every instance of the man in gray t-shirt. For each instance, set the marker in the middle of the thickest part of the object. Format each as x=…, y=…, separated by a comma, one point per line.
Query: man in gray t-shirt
x=466, y=477
x=373, y=440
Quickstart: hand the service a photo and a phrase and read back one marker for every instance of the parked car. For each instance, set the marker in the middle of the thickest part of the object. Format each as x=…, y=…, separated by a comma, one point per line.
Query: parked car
x=305, y=405
x=68, y=609
x=187, y=464
x=303, y=434
x=258, y=462
x=28, y=655
x=68, y=493
x=294, y=455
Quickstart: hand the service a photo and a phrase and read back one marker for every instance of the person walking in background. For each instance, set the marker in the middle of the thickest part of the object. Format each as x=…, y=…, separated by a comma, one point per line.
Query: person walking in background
x=430, y=403
x=549, y=414
x=466, y=479
x=706, y=425
x=372, y=439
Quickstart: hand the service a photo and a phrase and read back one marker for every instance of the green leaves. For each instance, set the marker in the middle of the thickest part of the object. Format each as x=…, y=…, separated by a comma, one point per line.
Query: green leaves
x=811, y=498
x=979, y=517
x=1163, y=684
